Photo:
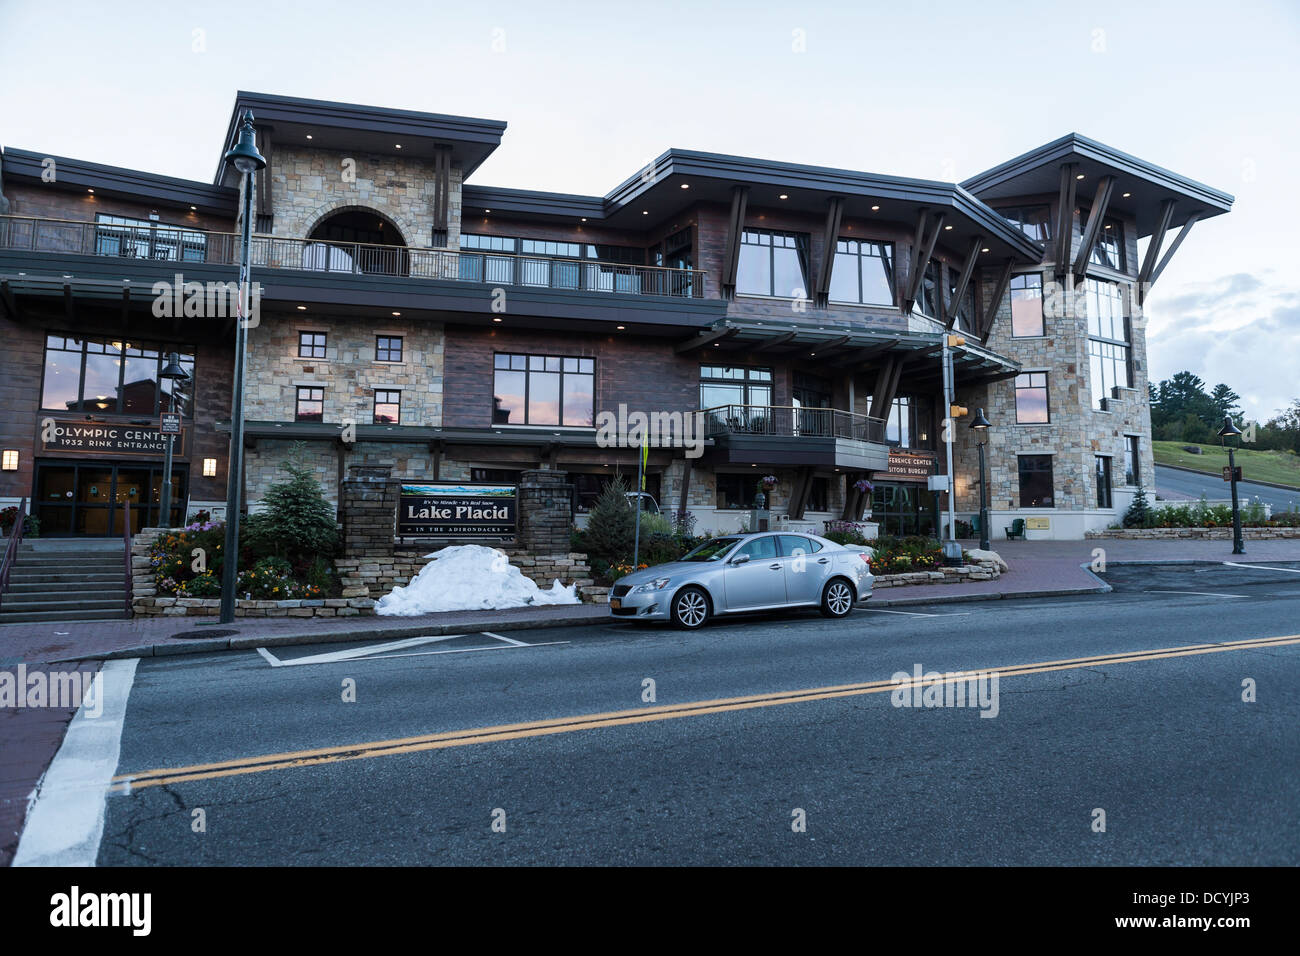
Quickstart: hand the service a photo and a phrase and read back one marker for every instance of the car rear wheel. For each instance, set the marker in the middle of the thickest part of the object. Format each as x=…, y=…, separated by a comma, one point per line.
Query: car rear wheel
x=837, y=598
x=690, y=608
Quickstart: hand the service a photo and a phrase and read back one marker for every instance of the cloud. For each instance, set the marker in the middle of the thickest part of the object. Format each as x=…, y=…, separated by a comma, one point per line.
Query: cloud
x=1236, y=329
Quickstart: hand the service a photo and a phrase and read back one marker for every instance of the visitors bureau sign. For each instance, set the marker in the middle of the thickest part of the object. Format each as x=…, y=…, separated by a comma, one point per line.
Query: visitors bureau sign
x=457, y=509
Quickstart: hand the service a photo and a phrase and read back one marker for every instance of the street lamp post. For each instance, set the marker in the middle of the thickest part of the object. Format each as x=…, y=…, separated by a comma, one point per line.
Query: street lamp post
x=176, y=375
x=245, y=158
x=1230, y=430
x=981, y=426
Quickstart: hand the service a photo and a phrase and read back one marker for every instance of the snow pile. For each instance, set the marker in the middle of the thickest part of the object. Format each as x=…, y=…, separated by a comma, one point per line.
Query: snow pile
x=470, y=577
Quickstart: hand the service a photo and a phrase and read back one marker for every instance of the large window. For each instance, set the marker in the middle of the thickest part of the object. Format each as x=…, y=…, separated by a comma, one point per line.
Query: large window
x=551, y=263
x=147, y=239
x=1104, y=499
x=310, y=406
x=734, y=385
x=773, y=263
x=1031, y=399
x=543, y=390
x=94, y=374
x=863, y=272
x=1132, y=461
x=1108, y=345
x=1035, y=481
x=388, y=406
x=1033, y=221
x=735, y=491
x=1027, y=304
x=1109, y=250
x=898, y=426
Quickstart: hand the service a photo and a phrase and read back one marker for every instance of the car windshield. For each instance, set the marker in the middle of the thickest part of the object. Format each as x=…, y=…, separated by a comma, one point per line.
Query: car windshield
x=711, y=550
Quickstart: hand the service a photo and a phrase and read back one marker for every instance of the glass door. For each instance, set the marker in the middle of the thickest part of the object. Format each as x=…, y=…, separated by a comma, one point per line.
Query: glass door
x=91, y=499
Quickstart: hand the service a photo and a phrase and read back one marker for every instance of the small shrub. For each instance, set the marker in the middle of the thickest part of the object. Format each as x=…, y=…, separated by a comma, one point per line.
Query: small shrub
x=1139, y=513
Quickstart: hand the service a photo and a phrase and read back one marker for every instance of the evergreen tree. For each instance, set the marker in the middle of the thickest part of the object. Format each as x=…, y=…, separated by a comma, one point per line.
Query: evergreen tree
x=1226, y=402
x=1139, y=511
x=611, y=524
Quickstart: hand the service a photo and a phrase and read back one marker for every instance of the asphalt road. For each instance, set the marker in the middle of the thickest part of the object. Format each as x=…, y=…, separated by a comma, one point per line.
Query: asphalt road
x=1173, y=483
x=1185, y=771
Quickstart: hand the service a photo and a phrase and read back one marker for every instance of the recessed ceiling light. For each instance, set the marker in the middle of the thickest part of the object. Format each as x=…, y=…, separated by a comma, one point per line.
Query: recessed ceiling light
x=622, y=327
x=686, y=185
x=302, y=308
x=715, y=345
x=812, y=353
x=398, y=145
x=397, y=313
x=487, y=210
x=645, y=212
x=875, y=209
x=309, y=135
x=946, y=228
x=985, y=249
x=496, y=318
x=91, y=191
x=784, y=196
x=584, y=218
x=1080, y=176
x=194, y=209
x=1126, y=195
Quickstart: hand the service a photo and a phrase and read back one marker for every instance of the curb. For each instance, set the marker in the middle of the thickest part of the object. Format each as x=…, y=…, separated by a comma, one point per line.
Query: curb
x=1247, y=481
x=252, y=642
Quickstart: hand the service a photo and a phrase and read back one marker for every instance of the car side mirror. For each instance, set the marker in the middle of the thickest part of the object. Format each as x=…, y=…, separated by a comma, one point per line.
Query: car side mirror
x=740, y=559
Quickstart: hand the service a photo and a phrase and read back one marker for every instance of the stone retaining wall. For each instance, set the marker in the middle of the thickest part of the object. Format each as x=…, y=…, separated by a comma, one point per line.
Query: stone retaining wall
x=974, y=571
x=1207, y=534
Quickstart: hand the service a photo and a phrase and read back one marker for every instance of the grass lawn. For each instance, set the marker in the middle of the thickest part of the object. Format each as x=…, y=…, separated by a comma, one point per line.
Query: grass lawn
x=1276, y=466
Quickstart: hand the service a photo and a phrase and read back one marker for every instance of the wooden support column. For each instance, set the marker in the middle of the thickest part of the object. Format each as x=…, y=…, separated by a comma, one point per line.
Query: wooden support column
x=1065, y=217
x=441, y=200
x=799, y=493
x=834, y=216
x=881, y=386
x=1178, y=241
x=995, y=300
x=436, y=447
x=1092, y=229
x=922, y=250
x=1154, y=246
x=968, y=267
x=684, y=499
x=262, y=199
x=731, y=252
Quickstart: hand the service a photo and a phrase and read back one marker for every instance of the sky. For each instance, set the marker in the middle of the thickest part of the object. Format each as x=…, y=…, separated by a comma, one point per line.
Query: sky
x=593, y=90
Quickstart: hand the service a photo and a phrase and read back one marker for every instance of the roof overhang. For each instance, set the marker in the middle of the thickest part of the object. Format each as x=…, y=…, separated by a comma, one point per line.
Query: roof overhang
x=1140, y=187
x=116, y=182
x=348, y=127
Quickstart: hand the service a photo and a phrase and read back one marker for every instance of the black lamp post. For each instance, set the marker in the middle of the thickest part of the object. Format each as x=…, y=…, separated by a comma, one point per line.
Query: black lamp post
x=245, y=158
x=981, y=426
x=1230, y=430
x=174, y=373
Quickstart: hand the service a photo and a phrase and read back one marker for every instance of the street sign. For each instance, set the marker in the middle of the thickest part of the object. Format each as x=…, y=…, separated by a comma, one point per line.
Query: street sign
x=169, y=423
x=1227, y=473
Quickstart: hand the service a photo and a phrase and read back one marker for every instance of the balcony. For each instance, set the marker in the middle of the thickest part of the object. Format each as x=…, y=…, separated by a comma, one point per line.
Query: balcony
x=182, y=246
x=788, y=435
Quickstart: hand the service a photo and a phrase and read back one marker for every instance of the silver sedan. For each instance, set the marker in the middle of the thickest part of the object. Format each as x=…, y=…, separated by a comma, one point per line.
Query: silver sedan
x=747, y=572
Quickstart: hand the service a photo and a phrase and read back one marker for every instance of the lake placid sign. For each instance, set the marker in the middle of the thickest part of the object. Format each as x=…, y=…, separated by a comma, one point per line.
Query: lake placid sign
x=457, y=509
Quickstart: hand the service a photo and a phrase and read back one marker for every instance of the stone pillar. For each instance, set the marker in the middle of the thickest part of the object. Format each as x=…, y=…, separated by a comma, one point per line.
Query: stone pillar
x=368, y=500
x=545, y=511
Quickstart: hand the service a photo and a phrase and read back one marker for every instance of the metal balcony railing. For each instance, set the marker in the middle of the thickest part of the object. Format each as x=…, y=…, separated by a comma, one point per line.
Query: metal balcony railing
x=174, y=244
x=786, y=421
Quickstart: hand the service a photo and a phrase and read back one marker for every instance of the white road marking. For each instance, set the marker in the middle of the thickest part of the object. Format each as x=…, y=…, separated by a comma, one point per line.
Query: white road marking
x=355, y=652
x=468, y=650
x=1202, y=593
x=506, y=639
x=66, y=819
x=1260, y=567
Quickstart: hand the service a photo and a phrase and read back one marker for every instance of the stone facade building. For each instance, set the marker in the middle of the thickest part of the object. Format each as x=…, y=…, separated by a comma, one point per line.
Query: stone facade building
x=414, y=320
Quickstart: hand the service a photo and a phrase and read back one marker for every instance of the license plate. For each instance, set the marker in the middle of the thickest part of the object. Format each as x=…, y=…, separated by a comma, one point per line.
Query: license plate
x=615, y=603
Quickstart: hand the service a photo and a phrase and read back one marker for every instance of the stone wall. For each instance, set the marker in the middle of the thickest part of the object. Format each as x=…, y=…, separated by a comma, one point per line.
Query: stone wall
x=369, y=506
x=545, y=511
x=1208, y=534
x=981, y=570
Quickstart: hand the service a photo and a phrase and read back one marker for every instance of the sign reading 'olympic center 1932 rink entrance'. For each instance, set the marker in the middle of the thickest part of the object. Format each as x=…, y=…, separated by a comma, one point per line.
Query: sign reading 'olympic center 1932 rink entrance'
x=457, y=509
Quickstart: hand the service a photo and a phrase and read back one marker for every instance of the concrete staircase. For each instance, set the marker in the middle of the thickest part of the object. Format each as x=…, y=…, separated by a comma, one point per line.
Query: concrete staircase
x=53, y=580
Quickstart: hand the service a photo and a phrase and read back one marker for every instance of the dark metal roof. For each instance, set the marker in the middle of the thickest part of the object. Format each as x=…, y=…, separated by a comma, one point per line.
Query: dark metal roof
x=1037, y=172
x=77, y=175
x=371, y=129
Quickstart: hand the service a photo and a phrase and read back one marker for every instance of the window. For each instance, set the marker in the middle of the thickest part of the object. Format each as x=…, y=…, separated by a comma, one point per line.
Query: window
x=1031, y=399
x=898, y=426
x=311, y=404
x=773, y=263
x=735, y=385
x=794, y=545
x=311, y=345
x=735, y=491
x=147, y=239
x=863, y=272
x=927, y=302
x=1026, y=304
x=759, y=549
x=1033, y=221
x=1103, y=482
x=543, y=390
x=819, y=495
x=1109, y=250
x=388, y=406
x=1035, y=481
x=965, y=309
x=99, y=375
x=1108, y=348
x=388, y=348
x=553, y=264
x=1132, y=461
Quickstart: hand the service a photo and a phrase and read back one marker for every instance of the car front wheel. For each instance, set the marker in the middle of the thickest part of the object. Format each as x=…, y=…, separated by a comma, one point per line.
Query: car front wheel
x=690, y=608
x=837, y=598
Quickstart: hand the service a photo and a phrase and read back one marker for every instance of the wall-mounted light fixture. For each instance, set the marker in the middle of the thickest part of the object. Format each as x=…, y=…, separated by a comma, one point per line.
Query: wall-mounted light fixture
x=9, y=459
x=209, y=468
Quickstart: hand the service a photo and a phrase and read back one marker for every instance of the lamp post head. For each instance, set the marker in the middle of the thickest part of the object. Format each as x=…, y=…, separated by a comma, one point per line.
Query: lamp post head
x=244, y=155
x=981, y=424
x=173, y=368
x=1229, y=430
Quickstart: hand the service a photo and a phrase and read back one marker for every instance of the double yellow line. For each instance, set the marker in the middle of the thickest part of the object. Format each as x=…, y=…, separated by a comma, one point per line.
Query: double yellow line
x=618, y=718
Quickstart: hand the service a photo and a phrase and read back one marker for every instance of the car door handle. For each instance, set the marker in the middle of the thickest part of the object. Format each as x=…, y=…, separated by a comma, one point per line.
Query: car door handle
x=823, y=560
x=774, y=567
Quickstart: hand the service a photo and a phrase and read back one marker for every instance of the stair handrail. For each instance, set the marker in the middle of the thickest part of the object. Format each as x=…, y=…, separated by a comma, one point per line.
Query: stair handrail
x=126, y=556
x=11, y=549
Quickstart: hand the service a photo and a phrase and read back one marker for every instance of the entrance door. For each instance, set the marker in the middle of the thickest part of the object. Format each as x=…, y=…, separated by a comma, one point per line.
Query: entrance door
x=90, y=499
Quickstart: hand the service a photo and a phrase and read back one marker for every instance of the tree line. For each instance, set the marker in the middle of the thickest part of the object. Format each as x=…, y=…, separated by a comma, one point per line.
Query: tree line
x=1182, y=409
